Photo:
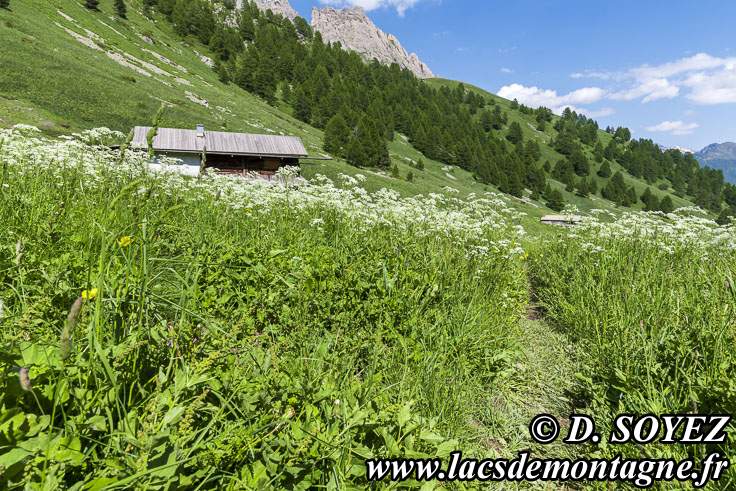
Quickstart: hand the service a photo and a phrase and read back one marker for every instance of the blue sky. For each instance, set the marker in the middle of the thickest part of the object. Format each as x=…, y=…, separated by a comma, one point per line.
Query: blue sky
x=666, y=70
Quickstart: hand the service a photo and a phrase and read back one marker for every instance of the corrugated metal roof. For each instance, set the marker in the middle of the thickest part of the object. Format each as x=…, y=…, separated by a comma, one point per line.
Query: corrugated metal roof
x=562, y=218
x=218, y=142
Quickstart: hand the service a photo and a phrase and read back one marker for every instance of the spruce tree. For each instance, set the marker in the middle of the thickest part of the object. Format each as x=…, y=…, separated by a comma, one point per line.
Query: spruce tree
x=120, y=8
x=593, y=186
x=582, y=188
x=384, y=158
x=651, y=203
x=395, y=171
x=302, y=105
x=580, y=163
x=420, y=164
x=605, y=170
x=337, y=135
x=515, y=135
x=91, y=4
x=555, y=201
x=724, y=218
x=666, y=205
x=355, y=154
x=286, y=92
x=4, y=4
x=410, y=176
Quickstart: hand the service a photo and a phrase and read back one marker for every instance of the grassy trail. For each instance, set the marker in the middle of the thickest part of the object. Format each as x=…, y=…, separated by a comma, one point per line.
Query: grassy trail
x=542, y=381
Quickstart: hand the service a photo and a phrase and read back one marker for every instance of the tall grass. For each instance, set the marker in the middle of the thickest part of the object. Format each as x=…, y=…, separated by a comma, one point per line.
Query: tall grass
x=236, y=334
x=651, y=300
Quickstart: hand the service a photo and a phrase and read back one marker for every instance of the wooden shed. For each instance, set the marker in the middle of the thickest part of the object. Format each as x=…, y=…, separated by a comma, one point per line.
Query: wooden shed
x=230, y=153
x=563, y=220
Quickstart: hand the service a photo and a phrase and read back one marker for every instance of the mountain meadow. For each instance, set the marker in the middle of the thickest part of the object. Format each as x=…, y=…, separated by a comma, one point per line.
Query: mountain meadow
x=403, y=300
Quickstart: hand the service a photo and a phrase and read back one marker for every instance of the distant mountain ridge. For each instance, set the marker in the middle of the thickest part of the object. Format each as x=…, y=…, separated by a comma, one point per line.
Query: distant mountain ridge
x=720, y=156
x=682, y=150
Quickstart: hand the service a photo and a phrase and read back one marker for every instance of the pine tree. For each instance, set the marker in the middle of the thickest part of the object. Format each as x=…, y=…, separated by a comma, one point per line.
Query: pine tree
x=605, y=170
x=515, y=186
x=515, y=135
x=555, y=201
x=420, y=164
x=651, y=203
x=593, y=186
x=410, y=176
x=486, y=120
x=337, y=135
x=4, y=4
x=221, y=71
x=302, y=105
x=384, y=158
x=582, y=188
x=120, y=8
x=666, y=205
x=395, y=171
x=286, y=92
x=580, y=163
x=91, y=4
x=724, y=218
x=355, y=154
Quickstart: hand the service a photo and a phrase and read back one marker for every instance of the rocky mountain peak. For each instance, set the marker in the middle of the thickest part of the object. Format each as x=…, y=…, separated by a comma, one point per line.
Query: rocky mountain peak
x=282, y=7
x=356, y=32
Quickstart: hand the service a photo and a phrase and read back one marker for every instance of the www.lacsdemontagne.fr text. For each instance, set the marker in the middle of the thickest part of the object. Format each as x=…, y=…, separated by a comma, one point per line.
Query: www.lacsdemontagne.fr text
x=642, y=473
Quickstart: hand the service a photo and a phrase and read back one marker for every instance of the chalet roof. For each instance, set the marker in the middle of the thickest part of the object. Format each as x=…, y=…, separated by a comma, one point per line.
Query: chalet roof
x=562, y=218
x=218, y=142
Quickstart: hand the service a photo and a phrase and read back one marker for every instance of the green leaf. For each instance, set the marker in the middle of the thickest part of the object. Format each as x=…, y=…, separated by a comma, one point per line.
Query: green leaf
x=100, y=483
x=97, y=423
x=9, y=459
x=404, y=414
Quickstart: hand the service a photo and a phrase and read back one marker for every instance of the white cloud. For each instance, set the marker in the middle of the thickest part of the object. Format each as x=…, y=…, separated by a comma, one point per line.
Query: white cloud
x=506, y=70
x=400, y=5
x=713, y=88
x=712, y=80
x=674, y=127
x=700, y=61
x=535, y=97
x=651, y=90
x=601, y=113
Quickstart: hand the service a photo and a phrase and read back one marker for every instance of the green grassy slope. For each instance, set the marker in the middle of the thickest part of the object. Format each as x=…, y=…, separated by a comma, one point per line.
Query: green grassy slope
x=67, y=68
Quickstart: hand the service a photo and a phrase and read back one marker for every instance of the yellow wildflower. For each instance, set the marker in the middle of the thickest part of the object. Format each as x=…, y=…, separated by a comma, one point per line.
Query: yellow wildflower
x=89, y=295
x=125, y=241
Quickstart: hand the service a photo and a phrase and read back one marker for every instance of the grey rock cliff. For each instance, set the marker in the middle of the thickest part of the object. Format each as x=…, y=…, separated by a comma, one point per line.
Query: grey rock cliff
x=282, y=7
x=356, y=32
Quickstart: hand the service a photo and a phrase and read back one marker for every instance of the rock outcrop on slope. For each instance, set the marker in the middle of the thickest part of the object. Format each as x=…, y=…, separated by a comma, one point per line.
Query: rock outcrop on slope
x=356, y=32
x=282, y=7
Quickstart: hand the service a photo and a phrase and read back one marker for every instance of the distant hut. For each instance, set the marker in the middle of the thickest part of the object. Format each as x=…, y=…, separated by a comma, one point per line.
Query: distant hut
x=562, y=220
x=227, y=153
